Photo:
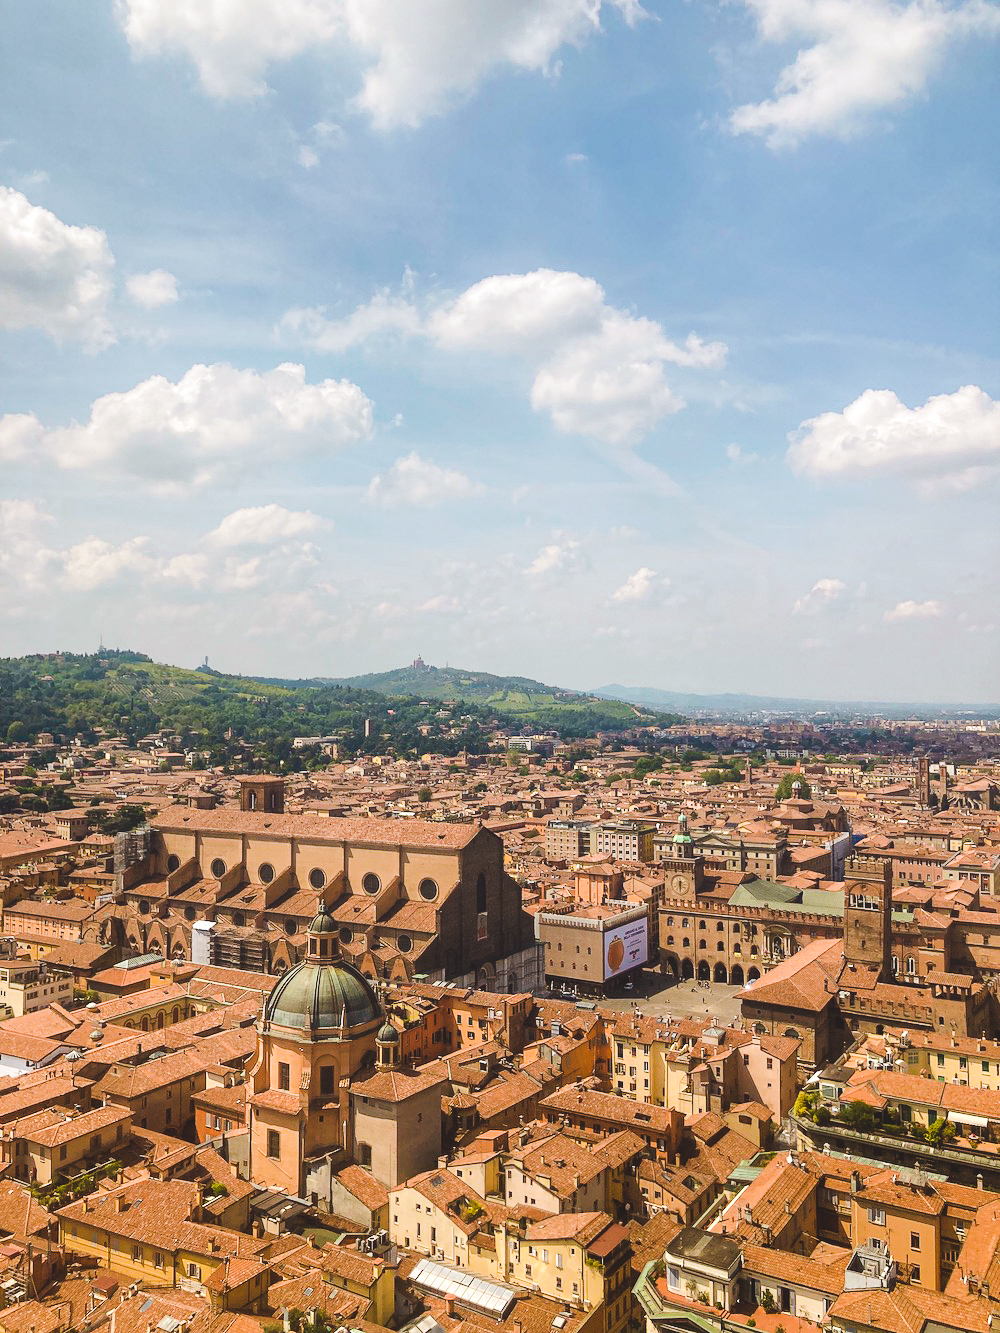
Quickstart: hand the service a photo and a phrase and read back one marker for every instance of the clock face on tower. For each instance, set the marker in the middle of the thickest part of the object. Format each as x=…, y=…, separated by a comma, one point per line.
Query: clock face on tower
x=680, y=883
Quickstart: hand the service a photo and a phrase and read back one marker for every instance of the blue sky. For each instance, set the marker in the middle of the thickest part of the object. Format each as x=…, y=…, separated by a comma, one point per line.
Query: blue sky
x=587, y=341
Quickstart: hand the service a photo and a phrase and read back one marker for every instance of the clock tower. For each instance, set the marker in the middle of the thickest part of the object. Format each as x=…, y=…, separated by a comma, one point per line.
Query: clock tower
x=683, y=870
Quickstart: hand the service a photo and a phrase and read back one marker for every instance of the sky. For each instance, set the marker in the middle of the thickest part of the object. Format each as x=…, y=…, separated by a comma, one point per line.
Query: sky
x=586, y=340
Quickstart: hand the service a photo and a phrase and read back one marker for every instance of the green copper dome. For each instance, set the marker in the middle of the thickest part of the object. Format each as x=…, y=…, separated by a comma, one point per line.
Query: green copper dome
x=322, y=923
x=388, y=1033
x=322, y=995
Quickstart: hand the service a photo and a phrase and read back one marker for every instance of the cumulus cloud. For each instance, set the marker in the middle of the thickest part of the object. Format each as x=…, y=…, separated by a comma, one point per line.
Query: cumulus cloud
x=857, y=57
x=263, y=525
x=823, y=593
x=417, y=59
x=953, y=437
x=93, y=563
x=442, y=604
x=152, y=290
x=53, y=276
x=214, y=421
x=557, y=556
x=637, y=587
x=597, y=370
x=915, y=611
x=384, y=313
x=741, y=457
x=413, y=480
x=25, y=556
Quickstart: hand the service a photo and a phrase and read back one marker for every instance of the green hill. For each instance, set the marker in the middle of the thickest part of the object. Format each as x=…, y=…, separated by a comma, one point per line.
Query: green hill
x=126, y=693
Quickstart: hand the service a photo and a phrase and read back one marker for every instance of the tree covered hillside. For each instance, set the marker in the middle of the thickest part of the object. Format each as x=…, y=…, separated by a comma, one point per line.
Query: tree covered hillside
x=123, y=693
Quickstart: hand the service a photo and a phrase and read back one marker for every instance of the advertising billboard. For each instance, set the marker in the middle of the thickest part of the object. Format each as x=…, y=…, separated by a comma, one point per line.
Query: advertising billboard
x=626, y=947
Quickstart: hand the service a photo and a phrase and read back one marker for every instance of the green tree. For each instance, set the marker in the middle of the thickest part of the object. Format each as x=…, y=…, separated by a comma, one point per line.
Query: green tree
x=786, y=784
x=857, y=1115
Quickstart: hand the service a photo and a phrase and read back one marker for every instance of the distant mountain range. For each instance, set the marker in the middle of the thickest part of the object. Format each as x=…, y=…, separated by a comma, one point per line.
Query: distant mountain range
x=650, y=697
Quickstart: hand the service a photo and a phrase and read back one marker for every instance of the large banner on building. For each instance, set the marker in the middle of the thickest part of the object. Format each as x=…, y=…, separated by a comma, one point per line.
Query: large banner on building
x=626, y=947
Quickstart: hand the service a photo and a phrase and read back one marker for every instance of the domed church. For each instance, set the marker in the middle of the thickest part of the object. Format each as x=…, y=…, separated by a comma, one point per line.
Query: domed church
x=321, y=1037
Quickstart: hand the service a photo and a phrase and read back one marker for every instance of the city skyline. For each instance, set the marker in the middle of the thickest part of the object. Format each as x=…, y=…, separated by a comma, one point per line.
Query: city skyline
x=587, y=342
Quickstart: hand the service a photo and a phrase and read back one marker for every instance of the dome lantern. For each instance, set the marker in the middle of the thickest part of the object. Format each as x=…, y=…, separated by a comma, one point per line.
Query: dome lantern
x=321, y=936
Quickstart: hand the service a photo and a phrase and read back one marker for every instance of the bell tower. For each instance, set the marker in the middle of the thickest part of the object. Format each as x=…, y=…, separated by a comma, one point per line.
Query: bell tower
x=265, y=794
x=868, y=919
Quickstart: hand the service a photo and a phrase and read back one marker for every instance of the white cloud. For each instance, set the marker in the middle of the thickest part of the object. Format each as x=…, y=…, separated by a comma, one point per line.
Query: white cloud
x=53, y=276
x=93, y=563
x=25, y=558
x=559, y=555
x=442, y=604
x=740, y=456
x=263, y=525
x=597, y=370
x=152, y=290
x=413, y=480
x=858, y=57
x=191, y=567
x=637, y=586
x=417, y=58
x=214, y=421
x=21, y=434
x=384, y=313
x=601, y=370
x=915, y=611
x=823, y=593
x=954, y=437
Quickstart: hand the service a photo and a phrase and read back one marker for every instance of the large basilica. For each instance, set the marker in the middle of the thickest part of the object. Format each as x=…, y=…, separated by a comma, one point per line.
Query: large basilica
x=327, y=1086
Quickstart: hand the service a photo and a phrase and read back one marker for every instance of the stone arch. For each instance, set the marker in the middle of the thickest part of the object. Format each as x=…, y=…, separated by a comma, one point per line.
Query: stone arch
x=704, y=971
x=159, y=1021
x=687, y=969
x=753, y=974
x=486, y=976
x=793, y=1033
x=145, y=1023
x=736, y=976
x=671, y=966
x=512, y=980
x=720, y=973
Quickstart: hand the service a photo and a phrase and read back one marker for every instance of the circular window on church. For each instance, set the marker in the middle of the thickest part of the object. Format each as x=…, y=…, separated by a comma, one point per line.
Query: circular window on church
x=143, y=907
x=428, y=890
x=173, y=863
x=317, y=878
x=346, y=935
x=218, y=867
x=189, y=914
x=291, y=925
x=403, y=943
x=239, y=919
x=371, y=883
x=265, y=872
